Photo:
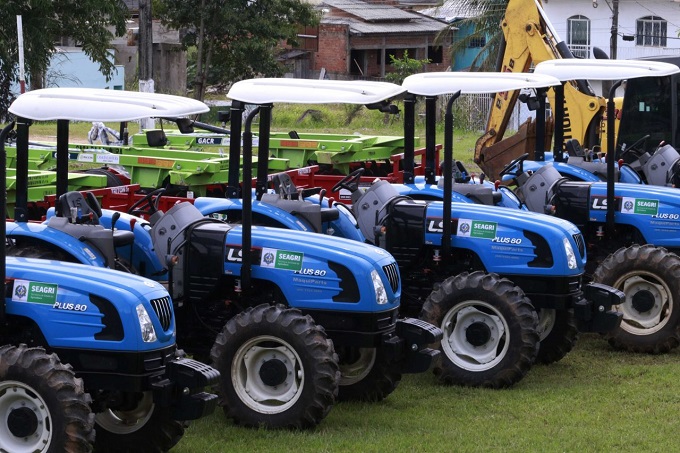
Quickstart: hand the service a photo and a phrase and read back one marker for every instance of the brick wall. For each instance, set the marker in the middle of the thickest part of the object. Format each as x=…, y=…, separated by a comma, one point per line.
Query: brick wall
x=333, y=49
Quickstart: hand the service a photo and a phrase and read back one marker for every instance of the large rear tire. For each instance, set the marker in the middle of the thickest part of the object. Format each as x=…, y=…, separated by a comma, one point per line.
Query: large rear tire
x=490, y=330
x=278, y=368
x=145, y=428
x=366, y=374
x=43, y=406
x=649, y=276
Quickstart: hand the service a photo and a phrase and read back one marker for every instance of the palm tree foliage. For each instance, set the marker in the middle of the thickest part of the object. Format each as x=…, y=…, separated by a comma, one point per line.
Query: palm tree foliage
x=484, y=18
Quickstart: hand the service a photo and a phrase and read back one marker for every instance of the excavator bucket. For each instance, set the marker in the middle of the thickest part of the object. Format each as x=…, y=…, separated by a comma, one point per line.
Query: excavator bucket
x=493, y=158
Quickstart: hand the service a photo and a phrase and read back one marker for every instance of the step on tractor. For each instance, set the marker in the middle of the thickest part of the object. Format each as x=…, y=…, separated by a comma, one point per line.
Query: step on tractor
x=88, y=359
x=486, y=282
x=292, y=320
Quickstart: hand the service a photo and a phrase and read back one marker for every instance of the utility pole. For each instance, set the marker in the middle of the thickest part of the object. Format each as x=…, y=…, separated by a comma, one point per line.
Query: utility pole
x=145, y=42
x=145, y=55
x=615, y=30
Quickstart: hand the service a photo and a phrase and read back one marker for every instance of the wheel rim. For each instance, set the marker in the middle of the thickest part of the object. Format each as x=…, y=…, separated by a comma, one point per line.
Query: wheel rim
x=648, y=304
x=126, y=422
x=546, y=322
x=351, y=373
x=267, y=374
x=476, y=336
x=26, y=424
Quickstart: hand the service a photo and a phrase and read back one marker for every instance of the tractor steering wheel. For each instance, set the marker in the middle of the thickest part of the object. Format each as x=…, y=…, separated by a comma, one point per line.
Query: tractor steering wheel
x=516, y=162
x=147, y=205
x=633, y=147
x=349, y=182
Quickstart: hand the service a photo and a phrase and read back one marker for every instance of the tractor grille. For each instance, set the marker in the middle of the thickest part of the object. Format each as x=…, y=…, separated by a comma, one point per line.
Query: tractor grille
x=581, y=244
x=392, y=272
x=163, y=309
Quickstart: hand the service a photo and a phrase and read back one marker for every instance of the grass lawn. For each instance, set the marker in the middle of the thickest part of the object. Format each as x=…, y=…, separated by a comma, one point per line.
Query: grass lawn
x=594, y=400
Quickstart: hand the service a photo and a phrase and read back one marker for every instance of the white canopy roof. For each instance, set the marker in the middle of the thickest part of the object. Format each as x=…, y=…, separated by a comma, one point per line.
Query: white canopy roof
x=438, y=83
x=312, y=91
x=576, y=69
x=94, y=104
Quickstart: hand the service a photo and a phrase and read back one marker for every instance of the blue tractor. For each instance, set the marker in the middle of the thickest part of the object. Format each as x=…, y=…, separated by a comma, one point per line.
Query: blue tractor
x=486, y=276
x=630, y=232
x=84, y=349
x=292, y=320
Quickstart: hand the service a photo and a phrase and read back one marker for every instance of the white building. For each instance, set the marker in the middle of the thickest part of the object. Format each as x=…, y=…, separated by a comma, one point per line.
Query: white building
x=645, y=27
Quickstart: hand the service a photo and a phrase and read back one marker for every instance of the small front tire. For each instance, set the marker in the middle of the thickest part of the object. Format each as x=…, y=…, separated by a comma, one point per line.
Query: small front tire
x=490, y=330
x=43, y=406
x=649, y=276
x=366, y=374
x=558, y=335
x=278, y=368
x=145, y=428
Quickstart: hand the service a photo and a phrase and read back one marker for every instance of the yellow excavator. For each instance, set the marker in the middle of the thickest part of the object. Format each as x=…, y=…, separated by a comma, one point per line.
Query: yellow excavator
x=529, y=38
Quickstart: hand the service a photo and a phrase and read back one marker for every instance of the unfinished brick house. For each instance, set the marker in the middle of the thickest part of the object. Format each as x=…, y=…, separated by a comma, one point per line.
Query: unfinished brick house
x=356, y=39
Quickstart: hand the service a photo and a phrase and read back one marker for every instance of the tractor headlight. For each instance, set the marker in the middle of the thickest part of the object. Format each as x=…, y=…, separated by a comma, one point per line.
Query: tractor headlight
x=571, y=257
x=380, y=293
x=145, y=324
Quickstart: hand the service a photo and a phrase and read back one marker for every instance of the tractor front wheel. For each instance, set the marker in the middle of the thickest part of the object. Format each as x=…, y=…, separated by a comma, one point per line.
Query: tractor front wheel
x=558, y=334
x=366, y=374
x=43, y=406
x=144, y=428
x=278, y=368
x=490, y=330
x=649, y=276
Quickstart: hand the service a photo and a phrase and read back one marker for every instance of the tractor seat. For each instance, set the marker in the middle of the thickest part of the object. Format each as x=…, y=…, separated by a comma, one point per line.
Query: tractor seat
x=78, y=210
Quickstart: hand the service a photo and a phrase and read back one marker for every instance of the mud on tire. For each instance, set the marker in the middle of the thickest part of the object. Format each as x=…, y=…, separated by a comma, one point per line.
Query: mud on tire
x=278, y=368
x=43, y=406
x=649, y=276
x=490, y=330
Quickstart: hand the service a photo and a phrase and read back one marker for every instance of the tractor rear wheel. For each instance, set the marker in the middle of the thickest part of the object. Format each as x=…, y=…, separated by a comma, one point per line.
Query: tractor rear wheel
x=144, y=428
x=558, y=334
x=278, y=368
x=649, y=276
x=366, y=374
x=490, y=330
x=43, y=406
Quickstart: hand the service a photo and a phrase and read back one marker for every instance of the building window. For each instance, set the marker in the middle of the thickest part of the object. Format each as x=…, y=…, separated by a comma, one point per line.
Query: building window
x=578, y=36
x=477, y=42
x=435, y=54
x=650, y=31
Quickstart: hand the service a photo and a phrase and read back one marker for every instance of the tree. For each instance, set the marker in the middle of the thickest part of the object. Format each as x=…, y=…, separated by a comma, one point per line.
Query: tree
x=404, y=67
x=235, y=39
x=485, y=17
x=88, y=22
